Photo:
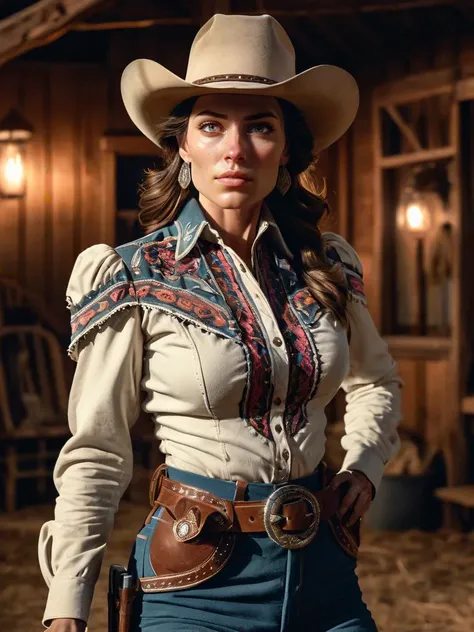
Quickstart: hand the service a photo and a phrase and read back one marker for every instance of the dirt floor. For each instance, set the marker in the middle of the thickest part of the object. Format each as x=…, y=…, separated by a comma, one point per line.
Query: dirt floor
x=412, y=582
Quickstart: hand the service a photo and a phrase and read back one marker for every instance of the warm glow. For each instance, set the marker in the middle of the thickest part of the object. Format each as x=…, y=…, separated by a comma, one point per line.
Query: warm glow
x=12, y=172
x=415, y=217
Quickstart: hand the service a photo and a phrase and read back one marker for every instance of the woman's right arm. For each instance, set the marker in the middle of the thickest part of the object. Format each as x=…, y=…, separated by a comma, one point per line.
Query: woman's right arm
x=95, y=466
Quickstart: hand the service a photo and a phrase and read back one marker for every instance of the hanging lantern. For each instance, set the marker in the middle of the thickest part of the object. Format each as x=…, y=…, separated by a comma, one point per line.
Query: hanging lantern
x=15, y=132
x=414, y=212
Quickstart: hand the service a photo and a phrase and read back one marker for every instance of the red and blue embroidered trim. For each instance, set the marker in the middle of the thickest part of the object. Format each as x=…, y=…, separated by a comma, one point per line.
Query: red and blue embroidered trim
x=304, y=358
x=256, y=401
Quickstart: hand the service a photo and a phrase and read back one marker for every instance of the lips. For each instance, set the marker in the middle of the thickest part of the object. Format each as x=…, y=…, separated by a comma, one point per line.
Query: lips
x=233, y=175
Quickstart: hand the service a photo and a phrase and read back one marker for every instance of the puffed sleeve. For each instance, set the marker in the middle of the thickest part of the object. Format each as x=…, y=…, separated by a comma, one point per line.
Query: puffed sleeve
x=372, y=386
x=95, y=466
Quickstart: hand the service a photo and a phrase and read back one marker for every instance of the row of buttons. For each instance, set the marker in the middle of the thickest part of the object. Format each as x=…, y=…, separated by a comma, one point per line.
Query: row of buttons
x=278, y=342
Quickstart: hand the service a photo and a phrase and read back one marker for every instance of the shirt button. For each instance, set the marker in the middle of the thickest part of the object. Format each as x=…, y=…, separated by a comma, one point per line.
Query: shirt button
x=278, y=428
x=286, y=455
x=277, y=342
x=277, y=401
x=242, y=267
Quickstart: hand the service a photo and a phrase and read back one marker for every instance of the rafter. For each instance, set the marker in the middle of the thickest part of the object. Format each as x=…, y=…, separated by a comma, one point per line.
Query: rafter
x=40, y=24
x=404, y=127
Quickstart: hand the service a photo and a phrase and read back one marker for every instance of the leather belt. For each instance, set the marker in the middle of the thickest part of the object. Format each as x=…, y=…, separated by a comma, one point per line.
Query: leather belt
x=291, y=514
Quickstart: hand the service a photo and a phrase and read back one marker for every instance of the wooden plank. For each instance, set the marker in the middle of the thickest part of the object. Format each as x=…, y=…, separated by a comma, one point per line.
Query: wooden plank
x=65, y=169
x=467, y=405
x=109, y=197
x=93, y=122
x=9, y=208
x=344, y=181
x=436, y=409
x=379, y=217
x=422, y=347
x=416, y=87
x=425, y=155
x=129, y=145
x=461, y=495
x=36, y=275
x=413, y=395
x=123, y=48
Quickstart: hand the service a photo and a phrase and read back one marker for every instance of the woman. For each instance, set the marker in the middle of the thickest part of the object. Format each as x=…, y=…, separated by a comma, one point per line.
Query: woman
x=240, y=321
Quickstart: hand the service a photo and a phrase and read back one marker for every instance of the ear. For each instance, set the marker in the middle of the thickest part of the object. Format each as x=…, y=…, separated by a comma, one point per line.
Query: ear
x=284, y=157
x=183, y=152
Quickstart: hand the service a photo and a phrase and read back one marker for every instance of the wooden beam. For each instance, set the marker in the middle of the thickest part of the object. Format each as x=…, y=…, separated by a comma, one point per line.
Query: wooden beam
x=133, y=24
x=419, y=347
x=467, y=405
x=40, y=24
x=416, y=87
x=403, y=126
x=425, y=155
x=129, y=145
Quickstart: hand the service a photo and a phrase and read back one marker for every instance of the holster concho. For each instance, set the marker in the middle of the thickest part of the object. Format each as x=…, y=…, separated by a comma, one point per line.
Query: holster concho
x=182, y=553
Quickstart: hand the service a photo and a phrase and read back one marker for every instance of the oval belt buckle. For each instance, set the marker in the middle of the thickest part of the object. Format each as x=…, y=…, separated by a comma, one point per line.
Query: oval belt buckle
x=272, y=516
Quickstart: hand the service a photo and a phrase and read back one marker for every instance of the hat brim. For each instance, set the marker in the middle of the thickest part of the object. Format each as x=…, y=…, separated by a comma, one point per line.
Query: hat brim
x=327, y=96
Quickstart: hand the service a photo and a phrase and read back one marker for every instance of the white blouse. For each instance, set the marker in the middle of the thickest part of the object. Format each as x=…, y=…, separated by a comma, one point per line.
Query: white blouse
x=237, y=368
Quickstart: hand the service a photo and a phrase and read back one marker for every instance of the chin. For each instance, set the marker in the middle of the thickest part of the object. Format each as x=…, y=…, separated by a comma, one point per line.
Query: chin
x=235, y=199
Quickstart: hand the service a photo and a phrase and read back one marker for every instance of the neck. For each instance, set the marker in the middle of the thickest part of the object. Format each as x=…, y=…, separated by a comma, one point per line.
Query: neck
x=236, y=226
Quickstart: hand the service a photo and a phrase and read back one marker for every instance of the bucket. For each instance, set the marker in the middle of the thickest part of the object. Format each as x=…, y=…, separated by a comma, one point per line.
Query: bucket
x=403, y=503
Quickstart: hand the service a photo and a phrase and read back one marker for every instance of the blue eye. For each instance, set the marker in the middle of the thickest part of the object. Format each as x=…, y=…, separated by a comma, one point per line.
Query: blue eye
x=209, y=127
x=261, y=128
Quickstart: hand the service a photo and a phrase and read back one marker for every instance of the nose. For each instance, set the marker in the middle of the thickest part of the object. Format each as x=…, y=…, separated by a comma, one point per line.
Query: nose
x=235, y=150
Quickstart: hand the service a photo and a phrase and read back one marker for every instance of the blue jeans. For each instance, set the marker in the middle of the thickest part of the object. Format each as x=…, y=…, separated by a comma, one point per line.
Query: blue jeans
x=263, y=587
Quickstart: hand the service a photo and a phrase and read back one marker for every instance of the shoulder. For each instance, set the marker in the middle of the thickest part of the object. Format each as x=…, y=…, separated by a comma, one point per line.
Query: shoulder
x=339, y=250
x=93, y=268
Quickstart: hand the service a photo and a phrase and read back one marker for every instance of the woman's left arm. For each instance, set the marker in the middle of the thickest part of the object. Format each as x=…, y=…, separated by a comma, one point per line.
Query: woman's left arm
x=373, y=397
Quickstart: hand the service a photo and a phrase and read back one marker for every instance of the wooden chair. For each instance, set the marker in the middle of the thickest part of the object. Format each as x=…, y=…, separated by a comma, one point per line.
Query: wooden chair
x=33, y=404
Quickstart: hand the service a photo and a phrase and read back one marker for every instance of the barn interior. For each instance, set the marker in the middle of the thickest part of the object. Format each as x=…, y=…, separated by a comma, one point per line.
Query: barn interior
x=400, y=189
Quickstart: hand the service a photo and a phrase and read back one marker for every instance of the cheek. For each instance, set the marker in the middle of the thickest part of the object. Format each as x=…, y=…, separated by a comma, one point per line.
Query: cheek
x=268, y=154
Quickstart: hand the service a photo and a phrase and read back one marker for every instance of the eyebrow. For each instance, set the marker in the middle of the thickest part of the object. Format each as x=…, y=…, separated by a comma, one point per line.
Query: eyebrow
x=251, y=117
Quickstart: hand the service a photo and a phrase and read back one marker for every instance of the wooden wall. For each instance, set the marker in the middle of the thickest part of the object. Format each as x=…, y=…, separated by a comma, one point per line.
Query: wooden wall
x=60, y=215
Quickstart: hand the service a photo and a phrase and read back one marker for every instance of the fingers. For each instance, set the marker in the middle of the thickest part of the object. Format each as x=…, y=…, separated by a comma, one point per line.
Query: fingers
x=341, y=478
x=348, y=500
x=361, y=506
x=356, y=500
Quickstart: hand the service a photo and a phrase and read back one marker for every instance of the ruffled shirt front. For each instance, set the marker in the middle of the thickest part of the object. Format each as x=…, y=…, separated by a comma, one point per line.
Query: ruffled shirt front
x=237, y=367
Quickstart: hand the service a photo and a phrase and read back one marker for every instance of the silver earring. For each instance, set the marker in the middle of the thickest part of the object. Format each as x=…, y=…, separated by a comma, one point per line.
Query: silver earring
x=284, y=180
x=184, y=176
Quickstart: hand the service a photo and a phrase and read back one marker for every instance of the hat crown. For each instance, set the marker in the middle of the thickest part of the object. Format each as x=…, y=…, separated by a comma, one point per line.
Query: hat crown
x=241, y=45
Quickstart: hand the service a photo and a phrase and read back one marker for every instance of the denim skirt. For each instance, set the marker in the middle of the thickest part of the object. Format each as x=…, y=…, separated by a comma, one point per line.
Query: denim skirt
x=263, y=587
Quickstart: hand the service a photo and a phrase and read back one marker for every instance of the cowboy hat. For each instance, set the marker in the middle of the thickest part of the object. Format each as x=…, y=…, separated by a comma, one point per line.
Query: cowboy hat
x=243, y=55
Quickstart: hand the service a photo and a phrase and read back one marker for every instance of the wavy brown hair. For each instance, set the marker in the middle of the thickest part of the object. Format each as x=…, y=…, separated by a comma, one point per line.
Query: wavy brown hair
x=297, y=213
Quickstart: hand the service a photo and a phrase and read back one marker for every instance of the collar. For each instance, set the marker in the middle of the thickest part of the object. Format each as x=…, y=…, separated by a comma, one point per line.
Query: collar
x=191, y=223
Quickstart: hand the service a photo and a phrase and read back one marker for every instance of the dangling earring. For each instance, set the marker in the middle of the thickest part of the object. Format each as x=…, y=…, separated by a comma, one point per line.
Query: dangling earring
x=184, y=176
x=284, y=180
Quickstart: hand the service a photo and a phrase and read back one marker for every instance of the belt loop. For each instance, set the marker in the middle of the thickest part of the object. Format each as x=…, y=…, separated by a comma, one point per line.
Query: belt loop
x=155, y=483
x=240, y=490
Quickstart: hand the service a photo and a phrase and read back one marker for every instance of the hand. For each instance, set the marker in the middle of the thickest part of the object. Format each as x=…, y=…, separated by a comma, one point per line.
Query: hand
x=357, y=498
x=67, y=625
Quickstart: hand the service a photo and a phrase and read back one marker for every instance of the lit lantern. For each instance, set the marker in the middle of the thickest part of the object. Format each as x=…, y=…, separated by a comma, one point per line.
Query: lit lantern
x=414, y=214
x=14, y=133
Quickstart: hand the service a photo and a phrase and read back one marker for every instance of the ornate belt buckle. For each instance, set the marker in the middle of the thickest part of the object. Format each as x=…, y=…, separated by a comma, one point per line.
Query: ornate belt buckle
x=272, y=516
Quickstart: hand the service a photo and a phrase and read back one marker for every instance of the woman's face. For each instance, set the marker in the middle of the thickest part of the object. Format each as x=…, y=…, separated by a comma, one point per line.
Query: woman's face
x=235, y=144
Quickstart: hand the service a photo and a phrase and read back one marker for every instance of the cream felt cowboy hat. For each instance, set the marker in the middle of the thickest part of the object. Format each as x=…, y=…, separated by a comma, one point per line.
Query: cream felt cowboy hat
x=243, y=55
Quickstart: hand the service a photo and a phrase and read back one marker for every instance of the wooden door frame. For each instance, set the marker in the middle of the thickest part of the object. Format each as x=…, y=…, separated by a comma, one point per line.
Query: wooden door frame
x=111, y=146
x=410, y=89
